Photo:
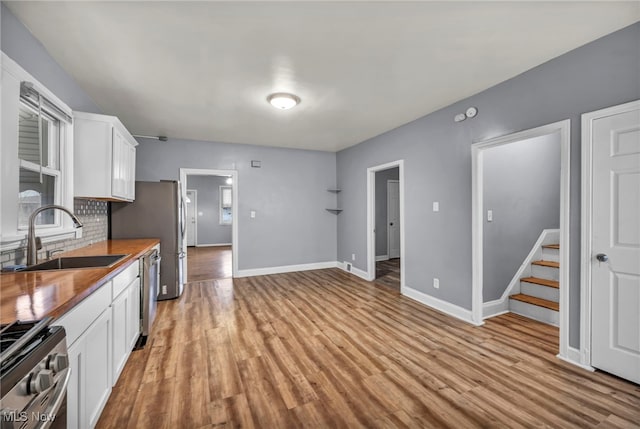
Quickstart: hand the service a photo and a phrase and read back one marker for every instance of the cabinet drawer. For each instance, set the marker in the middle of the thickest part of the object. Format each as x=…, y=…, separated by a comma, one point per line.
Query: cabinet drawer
x=77, y=320
x=124, y=279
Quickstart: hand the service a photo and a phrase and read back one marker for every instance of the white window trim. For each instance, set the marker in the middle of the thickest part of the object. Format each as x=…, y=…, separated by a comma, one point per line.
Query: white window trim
x=11, y=237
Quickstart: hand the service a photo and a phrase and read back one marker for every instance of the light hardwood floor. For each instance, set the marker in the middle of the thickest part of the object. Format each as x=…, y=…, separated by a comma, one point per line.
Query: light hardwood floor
x=324, y=349
x=205, y=263
x=388, y=273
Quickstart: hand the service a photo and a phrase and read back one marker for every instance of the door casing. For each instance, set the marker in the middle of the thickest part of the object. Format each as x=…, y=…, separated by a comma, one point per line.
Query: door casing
x=371, y=218
x=477, y=149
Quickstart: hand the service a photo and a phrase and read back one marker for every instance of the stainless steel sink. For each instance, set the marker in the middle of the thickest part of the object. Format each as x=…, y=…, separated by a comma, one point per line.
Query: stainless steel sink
x=75, y=262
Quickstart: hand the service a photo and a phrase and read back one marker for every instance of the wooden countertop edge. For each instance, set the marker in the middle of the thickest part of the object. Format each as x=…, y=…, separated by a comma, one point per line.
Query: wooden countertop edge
x=109, y=272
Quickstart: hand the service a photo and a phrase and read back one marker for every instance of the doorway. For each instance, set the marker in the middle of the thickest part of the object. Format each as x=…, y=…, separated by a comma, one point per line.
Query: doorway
x=213, y=217
x=385, y=222
x=480, y=214
x=192, y=220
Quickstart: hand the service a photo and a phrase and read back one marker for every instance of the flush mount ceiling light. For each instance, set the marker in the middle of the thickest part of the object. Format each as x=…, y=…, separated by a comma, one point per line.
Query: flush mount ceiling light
x=283, y=100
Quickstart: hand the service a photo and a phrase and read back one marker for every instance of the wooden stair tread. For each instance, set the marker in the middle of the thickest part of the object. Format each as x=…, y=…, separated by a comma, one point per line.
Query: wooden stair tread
x=536, y=301
x=551, y=246
x=552, y=264
x=543, y=282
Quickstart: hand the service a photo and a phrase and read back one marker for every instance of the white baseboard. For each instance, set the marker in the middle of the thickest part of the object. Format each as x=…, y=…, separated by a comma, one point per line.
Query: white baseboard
x=495, y=308
x=356, y=271
x=440, y=305
x=286, y=269
x=214, y=245
x=573, y=357
x=382, y=258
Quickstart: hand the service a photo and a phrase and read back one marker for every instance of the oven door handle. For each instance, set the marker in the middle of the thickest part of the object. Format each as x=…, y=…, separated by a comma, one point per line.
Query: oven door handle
x=62, y=395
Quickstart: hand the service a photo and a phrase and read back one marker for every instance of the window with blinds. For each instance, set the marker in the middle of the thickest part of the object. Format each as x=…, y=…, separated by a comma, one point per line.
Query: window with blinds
x=39, y=164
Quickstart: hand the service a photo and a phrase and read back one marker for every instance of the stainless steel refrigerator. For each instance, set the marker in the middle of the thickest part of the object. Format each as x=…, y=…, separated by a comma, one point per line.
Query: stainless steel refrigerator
x=157, y=212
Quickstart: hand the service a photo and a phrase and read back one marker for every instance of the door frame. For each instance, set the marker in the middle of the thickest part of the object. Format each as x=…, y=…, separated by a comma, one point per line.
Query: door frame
x=387, y=226
x=184, y=172
x=371, y=218
x=586, y=228
x=477, y=150
x=195, y=211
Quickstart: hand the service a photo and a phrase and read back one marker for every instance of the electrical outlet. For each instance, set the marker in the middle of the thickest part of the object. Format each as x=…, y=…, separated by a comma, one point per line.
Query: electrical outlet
x=436, y=283
x=164, y=289
x=489, y=215
x=436, y=206
x=353, y=256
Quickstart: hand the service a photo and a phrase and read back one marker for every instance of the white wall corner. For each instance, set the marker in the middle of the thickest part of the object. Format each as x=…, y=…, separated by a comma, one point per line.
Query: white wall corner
x=286, y=269
x=495, y=308
x=440, y=305
x=356, y=271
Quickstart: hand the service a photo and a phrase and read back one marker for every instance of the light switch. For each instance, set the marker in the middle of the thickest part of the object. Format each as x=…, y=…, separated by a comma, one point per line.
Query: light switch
x=253, y=214
x=489, y=215
x=436, y=206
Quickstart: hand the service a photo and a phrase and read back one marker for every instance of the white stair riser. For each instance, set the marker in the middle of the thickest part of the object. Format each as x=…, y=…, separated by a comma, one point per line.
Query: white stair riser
x=535, y=312
x=540, y=291
x=550, y=254
x=548, y=273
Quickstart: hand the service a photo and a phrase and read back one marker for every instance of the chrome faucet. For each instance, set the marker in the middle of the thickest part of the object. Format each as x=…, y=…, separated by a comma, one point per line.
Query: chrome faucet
x=32, y=243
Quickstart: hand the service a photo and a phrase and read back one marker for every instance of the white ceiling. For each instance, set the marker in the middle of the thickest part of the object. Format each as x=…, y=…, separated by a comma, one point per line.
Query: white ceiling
x=203, y=70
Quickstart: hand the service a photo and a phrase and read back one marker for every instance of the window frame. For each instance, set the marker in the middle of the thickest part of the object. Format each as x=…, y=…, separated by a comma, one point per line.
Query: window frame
x=11, y=236
x=54, y=157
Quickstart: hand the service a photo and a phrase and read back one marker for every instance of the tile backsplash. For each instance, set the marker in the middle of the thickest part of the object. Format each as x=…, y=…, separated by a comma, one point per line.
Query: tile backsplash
x=94, y=216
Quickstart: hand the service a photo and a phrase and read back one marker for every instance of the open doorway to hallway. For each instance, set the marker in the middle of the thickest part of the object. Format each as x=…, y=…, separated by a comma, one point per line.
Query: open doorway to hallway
x=211, y=217
x=387, y=231
x=385, y=224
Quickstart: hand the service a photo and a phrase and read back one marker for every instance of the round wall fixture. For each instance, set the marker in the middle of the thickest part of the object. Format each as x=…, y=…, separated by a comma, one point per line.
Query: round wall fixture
x=471, y=112
x=283, y=100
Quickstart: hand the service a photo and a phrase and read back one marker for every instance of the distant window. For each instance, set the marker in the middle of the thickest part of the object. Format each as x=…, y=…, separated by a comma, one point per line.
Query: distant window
x=225, y=205
x=39, y=165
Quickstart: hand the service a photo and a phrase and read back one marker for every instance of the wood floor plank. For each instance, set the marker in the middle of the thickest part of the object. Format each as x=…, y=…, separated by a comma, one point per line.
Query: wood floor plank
x=325, y=349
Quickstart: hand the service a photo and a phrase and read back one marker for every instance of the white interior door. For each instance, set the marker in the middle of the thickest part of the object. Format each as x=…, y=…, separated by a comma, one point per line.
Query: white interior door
x=192, y=221
x=393, y=218
x=615, y=259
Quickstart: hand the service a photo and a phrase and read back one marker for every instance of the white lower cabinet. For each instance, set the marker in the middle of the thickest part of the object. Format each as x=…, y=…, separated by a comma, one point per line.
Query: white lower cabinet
x=101, y=333
x=125, y=312
x=90, y=383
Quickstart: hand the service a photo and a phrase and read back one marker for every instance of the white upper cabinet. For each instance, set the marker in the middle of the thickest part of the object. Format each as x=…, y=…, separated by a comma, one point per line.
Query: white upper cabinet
x=104, y=158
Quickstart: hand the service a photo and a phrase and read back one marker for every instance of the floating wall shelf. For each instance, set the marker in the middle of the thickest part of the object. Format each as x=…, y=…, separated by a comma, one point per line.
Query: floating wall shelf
x=335, y=190
x=336, y=211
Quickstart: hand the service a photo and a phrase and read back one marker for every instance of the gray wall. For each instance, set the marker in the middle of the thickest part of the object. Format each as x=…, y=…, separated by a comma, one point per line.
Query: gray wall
x=209, y=229
x=20, y=45
x=289, y=195
x=521, y=183
x=381, y=207
x=437, y=154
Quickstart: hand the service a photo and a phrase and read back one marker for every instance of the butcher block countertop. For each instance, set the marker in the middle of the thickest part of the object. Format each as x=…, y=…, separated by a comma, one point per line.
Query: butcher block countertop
x=36, y=294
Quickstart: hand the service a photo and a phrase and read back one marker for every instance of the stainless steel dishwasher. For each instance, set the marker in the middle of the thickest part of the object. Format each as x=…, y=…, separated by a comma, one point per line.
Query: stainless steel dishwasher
x=150, y=281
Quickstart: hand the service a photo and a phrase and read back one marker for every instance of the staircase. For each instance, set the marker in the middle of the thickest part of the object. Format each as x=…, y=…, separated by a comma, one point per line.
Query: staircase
x=539, y=295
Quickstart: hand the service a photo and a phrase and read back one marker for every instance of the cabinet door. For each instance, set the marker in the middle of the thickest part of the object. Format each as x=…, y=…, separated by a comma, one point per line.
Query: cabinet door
x=75, y=388
x=134, y=314
x=97, y=384
x=120, y=309
x=132, y=173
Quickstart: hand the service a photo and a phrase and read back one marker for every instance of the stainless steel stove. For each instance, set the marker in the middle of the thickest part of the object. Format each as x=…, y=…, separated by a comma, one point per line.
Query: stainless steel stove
x=34, y=368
